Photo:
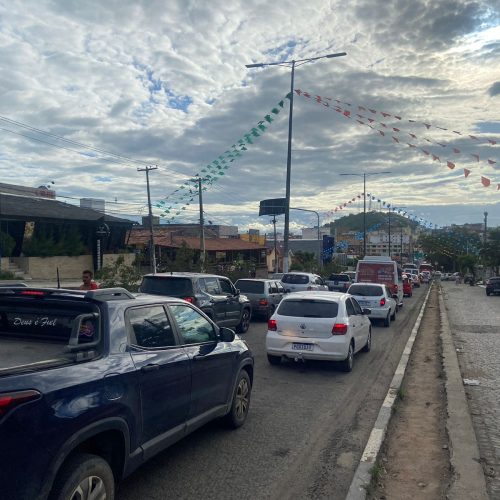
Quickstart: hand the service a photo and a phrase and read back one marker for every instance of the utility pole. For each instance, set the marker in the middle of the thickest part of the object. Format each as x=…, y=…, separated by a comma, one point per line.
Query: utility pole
x=401, y=247
x=485, y=236
x=364, y=215
x=152, y=257
x=202, y=230
x=389, y=233
x=276, y=260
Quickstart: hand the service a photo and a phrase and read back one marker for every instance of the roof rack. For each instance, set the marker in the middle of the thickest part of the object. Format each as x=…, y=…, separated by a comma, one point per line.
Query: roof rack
x=106, y=294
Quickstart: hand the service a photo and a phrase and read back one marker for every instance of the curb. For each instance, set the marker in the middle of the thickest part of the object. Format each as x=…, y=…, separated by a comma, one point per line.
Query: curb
x=468, y=482
x=362, y=476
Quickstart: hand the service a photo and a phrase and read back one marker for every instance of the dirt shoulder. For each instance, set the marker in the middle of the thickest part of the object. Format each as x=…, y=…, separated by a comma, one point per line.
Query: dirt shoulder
x=414, y=462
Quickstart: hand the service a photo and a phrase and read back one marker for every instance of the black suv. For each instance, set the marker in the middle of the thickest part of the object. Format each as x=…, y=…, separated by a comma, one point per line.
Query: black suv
x=493, y=285
x=215, y=295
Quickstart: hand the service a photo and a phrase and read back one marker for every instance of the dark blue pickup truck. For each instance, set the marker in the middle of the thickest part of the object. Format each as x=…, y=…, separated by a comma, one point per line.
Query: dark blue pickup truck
x=93, y=384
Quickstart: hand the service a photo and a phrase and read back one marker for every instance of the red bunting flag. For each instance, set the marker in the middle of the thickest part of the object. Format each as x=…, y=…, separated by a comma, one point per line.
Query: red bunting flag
x=395, y=129
x=306, y=94
x=385, y=115
x=361, y=122
x=361, y=108
x=491, y=162
x=451, y=165
x=466, y=172
x=318, y=98
x=383, y=125
x=411, y=145
x=456, y=151
x=425, y=152
x=491, y=141
x=414, y=136
x=434, y=157
x=395, y=139
x=475, y=156
x=457, y=132
x=398, y=117
x=428, y=125
x=374, y=111
x=442, y=145
x=347, y=113
x=485, y=181
x=380, y=132
x=473, y=137
x=298, y=91
x=371, y=120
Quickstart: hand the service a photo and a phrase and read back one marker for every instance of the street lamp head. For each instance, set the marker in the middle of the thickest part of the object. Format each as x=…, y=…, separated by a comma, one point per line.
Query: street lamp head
x=338, y=54
x=258, y=65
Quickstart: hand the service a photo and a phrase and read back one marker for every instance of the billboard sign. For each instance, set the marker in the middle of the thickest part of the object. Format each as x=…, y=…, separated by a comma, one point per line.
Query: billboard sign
x=275, y=206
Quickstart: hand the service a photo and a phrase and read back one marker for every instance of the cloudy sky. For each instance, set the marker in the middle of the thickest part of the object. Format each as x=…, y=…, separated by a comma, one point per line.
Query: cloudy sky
x=164, y=83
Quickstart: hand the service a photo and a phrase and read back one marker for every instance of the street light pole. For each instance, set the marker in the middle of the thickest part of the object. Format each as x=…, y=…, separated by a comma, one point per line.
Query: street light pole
x=292, y=63
x=364, y=175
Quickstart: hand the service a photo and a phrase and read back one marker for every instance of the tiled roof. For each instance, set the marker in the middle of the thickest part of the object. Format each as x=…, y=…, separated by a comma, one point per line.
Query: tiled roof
x=167, y=238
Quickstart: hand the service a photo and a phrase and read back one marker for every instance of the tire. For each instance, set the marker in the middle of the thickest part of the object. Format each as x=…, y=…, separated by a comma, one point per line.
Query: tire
x=84, y=474
x=244, y=323
x=270, y=312
x=347, y=364
x=241, y=401
x=393, y=316
x=274, y=360
x=387, y=320
x=368, y=346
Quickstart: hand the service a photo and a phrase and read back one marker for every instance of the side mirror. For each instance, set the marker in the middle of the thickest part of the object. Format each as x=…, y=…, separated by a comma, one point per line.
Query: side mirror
x=226, y=334
x=237, y=291
x=367, y=311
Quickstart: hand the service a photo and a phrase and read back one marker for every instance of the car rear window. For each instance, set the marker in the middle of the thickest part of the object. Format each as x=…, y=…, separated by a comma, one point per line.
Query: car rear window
x=249, y=286
x=366, y=290
x=171, y=285
x=45, y=320
x=295, y=279
x=308, y=308
x=339, y=277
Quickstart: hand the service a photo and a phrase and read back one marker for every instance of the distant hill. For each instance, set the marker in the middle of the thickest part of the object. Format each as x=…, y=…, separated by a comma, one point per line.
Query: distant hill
x=354, y=222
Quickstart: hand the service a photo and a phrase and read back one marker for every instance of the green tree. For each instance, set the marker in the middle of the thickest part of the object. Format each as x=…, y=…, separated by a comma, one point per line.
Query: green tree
x=119, y=274
x=304, y=261
x=186, y=259
x=490, y=252
x=7, y=244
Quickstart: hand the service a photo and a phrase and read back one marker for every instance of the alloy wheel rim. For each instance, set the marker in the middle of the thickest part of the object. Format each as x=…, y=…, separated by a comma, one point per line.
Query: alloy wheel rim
x=90, y=488
x=242, y=398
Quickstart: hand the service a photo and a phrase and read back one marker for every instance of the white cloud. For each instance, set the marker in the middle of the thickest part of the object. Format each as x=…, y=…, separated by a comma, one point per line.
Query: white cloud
x=166, y=83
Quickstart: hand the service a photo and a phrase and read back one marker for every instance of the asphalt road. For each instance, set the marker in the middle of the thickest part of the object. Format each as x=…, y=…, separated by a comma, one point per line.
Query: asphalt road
x=306, y=430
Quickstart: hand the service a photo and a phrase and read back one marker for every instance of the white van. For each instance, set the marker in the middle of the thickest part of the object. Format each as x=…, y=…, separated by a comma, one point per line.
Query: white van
x=381, y=269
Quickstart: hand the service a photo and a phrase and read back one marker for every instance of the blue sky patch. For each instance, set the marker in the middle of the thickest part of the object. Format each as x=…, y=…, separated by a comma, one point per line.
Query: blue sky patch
x=103, y=178
x=181, y=102
x=488, y=127
x=283, y=51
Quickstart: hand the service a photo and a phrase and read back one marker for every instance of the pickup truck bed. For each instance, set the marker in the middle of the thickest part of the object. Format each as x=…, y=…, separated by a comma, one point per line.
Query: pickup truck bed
x=21, y=355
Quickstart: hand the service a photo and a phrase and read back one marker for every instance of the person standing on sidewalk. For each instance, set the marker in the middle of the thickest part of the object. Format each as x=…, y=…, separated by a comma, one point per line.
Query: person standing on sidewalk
x=88, y=282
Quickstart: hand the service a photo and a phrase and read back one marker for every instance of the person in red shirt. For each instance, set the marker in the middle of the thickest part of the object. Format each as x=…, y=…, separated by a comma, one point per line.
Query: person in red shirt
x=88, y=282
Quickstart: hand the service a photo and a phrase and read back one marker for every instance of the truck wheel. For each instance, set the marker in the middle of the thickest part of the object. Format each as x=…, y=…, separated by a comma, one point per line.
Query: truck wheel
x=245, y=321
x=84, y=476
x=241, y=401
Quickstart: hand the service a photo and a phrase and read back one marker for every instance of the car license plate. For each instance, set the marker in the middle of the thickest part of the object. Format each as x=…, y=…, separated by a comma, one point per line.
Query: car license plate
x=302, y=347
x=362, y=302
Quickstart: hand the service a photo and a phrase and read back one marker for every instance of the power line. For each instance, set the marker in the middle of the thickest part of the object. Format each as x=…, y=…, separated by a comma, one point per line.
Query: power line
x=70, y=141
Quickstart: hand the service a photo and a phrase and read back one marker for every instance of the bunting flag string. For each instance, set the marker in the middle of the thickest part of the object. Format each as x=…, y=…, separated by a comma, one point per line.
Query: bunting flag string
x=178, y=201
x=366, y=121
x=428, y=126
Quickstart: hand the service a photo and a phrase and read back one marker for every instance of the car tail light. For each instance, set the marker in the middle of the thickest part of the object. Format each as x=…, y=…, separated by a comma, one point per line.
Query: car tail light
x=34, y=293
x=382, y=302
x=189, y=299
x=263, y=302
x=339, y=329
x=12, y=399
x=272, y=325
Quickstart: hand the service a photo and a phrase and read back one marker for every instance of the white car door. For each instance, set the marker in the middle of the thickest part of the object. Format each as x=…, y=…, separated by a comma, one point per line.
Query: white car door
x=356, y=325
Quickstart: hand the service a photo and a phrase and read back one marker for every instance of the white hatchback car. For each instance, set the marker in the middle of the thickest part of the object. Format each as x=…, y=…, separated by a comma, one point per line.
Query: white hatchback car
x=318, y=325
x=378, y=298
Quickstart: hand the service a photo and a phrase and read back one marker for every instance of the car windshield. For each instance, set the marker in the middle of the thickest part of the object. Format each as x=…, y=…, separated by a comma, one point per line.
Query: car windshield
x=366, y=290
x=250, y=286
x=295, y=279
x=171, y=285
x=339, y=277
x=308, y=308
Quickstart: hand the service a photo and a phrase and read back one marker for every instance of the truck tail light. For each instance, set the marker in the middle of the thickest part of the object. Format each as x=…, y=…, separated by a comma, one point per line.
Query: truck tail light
x=339, y=329
x=272, y=325
x=189, y=299
x=382, y=302
x=10, y=400
x=263, y=302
